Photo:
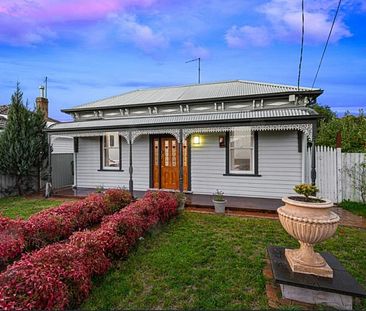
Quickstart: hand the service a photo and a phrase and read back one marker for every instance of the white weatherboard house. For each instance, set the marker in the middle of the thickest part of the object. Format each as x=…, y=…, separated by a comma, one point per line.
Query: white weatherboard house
x=245, y=138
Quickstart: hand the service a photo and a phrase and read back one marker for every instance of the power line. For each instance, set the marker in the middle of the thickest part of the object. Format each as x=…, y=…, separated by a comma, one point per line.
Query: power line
x=326, y=44
x=302, y=42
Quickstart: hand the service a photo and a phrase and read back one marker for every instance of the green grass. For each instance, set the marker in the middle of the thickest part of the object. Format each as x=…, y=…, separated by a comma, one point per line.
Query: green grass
x=209, y=262
x=354, y=207
x=20, y=207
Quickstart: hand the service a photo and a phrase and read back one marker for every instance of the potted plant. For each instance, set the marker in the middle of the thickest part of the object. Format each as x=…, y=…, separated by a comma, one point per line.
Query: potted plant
x=219, y=201
x=309, y=220
x=181, y=198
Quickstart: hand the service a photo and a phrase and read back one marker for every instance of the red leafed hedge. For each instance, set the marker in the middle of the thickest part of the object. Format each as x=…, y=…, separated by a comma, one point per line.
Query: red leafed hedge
x=11, y=239
x=56, y=224
x=59, y=276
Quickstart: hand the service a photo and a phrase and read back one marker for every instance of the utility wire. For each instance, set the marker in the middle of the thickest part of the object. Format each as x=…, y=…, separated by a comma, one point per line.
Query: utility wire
x=302, y=42
x=326, y=44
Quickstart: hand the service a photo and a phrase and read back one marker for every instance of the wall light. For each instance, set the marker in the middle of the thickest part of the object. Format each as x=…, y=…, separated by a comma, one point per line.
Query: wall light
x=196, y=140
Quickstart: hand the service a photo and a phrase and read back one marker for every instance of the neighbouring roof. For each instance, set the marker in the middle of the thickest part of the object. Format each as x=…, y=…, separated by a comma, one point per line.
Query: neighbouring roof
x=2, y=122
x=190, y=118
x=4, y=110
x=196, y=92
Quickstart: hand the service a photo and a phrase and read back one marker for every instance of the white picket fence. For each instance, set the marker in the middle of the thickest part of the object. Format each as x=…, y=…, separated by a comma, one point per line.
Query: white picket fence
x=331, y=173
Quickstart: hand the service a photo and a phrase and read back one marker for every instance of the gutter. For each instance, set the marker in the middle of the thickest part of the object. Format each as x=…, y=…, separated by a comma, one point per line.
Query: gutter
x=238, y=122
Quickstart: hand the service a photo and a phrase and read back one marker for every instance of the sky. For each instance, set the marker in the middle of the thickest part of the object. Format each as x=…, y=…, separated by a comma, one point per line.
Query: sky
x=94, y=49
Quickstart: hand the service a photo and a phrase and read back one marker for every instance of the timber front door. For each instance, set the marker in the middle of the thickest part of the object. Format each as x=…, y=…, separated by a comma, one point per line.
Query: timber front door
x=165, y=160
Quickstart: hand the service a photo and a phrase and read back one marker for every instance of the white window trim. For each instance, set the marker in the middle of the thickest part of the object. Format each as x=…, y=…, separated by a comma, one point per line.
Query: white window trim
x=104, y=148
x=252, y=148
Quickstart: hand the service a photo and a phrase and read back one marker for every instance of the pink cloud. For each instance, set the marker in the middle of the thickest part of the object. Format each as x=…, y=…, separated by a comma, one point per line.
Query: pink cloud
x=28, y=22
x=66, y=10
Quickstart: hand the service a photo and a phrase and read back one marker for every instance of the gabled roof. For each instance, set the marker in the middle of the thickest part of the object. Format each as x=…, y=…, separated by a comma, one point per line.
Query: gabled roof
x=196, y=92
x=189, y=118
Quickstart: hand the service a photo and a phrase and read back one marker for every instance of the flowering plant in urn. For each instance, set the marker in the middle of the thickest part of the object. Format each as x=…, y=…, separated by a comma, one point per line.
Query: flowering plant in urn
x=309, y=220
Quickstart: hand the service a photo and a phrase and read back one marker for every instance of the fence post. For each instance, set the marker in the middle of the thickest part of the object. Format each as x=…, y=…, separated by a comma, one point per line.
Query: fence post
x=339, y=168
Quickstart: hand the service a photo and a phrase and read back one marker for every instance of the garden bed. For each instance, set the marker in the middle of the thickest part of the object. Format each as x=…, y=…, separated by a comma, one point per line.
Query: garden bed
x=56, y=224
x=354, y=207
x=59, y=276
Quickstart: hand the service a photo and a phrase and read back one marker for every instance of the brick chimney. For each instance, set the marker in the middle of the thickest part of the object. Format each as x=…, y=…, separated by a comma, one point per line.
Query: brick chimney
x=42, y=102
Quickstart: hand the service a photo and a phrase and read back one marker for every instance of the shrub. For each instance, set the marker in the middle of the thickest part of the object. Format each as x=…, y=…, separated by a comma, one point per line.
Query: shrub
x=218, y=196
x=306, y=189
x=56, y=224
x=59, y=275
x=54, y=277
x=114, y=198
x=12, y=239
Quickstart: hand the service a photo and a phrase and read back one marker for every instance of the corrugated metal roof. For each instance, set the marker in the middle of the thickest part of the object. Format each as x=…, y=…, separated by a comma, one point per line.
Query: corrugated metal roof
x=182, y=118
x=235, y=88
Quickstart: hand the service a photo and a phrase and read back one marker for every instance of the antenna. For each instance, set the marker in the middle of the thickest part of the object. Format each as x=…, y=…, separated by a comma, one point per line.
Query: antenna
x=199, y=67
x=45, y=83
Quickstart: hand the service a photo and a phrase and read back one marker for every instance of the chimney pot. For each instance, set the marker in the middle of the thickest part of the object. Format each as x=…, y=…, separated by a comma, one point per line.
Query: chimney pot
x=42, y=102
x=41, y=91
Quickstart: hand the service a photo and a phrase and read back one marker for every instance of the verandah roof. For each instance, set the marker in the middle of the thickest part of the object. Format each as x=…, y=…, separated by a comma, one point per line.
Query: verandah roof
x=186, y=119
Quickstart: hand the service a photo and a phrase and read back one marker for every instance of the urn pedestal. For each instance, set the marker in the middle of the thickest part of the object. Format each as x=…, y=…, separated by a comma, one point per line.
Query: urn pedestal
x=309, y=223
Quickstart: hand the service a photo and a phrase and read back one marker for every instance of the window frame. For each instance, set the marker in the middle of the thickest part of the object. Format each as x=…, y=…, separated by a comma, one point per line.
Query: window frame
x=253, y=173
x=102, y=154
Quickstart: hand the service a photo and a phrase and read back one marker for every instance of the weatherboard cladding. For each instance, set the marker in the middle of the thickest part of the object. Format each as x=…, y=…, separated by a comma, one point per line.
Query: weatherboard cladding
x=183, y=118
x=238, y=88
x=279, y=166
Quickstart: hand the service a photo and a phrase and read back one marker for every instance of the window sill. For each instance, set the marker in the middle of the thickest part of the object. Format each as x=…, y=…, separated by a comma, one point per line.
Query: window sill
x=248, y=175
x=110, y=170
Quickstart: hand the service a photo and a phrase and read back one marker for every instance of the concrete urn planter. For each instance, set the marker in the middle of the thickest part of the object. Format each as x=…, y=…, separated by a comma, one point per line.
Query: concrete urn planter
x=309, y=223
x=219, y=206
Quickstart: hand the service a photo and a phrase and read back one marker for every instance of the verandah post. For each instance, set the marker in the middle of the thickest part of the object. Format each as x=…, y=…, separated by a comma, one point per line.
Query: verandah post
x=181, y=187
x=130, y=184
x=313, y=155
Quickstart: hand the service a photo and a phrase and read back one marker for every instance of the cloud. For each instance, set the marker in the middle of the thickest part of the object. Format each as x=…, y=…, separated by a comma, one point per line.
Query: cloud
x=195, y=51
x=240, y=37
x=281, y=21
x=29, y=22
x=143, y=36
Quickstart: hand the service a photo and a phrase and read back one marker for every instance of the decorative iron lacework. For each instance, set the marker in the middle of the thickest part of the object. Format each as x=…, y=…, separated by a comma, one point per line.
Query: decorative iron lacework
x=125, y=135
x=78, y=134
x=137, y=133
x=307, y=129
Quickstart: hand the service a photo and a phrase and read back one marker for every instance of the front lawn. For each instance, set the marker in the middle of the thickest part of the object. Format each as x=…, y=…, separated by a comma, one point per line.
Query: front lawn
x=209, y=262
x=22, y=207
x=354, y=207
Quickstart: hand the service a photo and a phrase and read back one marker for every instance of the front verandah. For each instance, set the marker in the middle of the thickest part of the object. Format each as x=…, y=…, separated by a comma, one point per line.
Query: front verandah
x=180, y=136
x=193, y=200
x=236, y=206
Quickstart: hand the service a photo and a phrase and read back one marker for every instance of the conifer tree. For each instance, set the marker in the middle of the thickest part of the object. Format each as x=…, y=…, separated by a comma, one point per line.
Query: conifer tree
x=23, y=144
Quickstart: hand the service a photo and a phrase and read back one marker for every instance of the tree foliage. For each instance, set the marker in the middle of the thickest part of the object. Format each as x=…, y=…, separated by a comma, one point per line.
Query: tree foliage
x=23, y=144
x=351, y=127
